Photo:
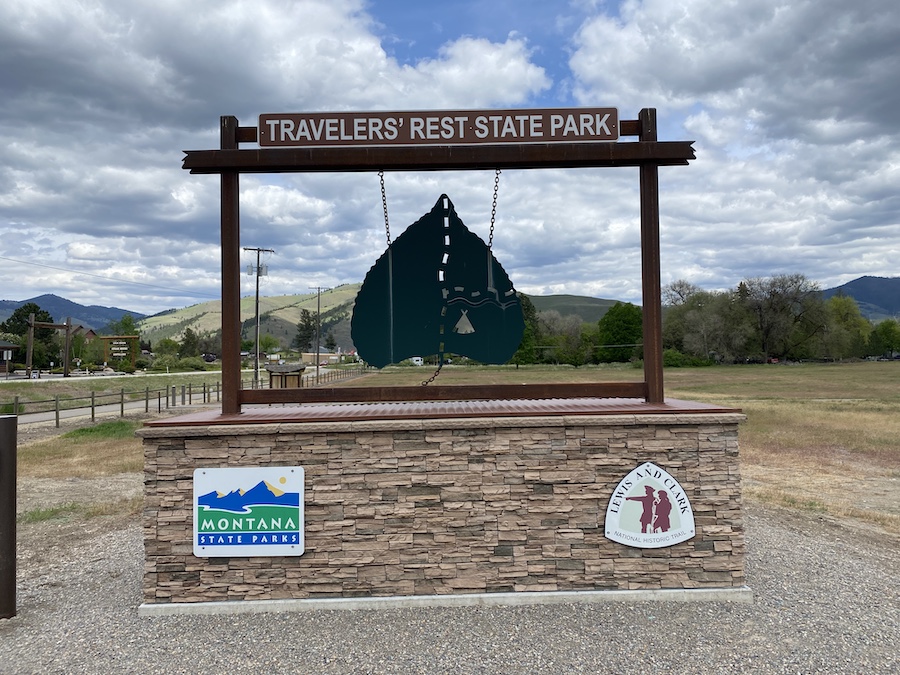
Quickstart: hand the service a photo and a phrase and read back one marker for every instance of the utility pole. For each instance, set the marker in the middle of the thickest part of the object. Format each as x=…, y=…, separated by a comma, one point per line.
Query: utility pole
x=318, y=326
x=258, y=271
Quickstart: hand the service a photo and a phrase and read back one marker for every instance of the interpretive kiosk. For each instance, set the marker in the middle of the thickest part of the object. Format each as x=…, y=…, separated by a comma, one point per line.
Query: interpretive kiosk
x=361, y=496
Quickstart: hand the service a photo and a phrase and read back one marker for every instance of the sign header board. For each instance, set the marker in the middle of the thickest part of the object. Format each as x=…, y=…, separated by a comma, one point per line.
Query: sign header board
x=439, y=127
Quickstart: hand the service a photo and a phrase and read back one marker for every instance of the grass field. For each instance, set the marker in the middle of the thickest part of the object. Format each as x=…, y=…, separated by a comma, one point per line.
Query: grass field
x=820, y=437
x=78, y=387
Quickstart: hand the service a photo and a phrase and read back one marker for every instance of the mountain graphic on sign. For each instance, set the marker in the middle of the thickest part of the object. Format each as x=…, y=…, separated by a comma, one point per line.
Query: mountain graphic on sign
x=238, y=501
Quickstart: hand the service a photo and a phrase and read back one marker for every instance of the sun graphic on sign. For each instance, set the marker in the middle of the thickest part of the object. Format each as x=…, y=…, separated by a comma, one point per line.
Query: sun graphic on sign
x=282, y=480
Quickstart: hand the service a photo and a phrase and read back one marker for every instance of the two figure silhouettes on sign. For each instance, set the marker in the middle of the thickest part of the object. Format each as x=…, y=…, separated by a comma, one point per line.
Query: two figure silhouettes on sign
x=655, y=515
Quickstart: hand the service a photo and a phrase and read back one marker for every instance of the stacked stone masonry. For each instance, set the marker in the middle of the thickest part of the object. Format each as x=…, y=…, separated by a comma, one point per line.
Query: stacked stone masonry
x=420, y=507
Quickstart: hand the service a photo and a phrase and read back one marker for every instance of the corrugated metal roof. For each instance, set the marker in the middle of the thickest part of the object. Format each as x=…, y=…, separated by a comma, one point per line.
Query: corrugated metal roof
x=346, y=412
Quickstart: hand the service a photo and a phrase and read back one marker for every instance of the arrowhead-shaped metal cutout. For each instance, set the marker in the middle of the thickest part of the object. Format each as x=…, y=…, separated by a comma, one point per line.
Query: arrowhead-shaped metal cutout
x=437, y=290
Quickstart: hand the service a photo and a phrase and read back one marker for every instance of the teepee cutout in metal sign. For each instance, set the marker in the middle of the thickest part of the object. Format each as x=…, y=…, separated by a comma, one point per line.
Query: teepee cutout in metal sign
x=437, y=290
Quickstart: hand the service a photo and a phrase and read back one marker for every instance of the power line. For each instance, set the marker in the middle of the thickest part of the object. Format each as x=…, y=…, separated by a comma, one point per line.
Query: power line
x=114, y=279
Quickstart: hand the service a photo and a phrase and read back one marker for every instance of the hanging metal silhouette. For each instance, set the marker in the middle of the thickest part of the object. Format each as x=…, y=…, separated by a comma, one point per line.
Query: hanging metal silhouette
x=437, y=289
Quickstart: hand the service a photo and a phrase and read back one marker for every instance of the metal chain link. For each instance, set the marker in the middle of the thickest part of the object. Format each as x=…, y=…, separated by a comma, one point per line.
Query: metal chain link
x=387, y=223
x=494, y=207
x=431, y=379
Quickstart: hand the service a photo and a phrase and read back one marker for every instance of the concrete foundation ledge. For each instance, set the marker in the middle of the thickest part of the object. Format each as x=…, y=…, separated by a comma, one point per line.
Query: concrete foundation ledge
x=742, y=594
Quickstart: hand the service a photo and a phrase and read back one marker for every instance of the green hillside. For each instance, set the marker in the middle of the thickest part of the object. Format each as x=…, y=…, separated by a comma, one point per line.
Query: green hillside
x=278, y=316
x=589, y=309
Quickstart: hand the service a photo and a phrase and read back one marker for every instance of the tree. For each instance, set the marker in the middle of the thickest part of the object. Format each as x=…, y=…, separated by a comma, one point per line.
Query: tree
x=885, y=338
x=269, y=344
x=211, y=343
x=190, y=344
x=847, y=331
x=17, y=323
x=46, y=343
x=306, y=331
x=561, y=336
x=124, y=326
x=167, y=347
x=618, y=331
x=330, y=342
x=678, y=292
x=787, y=310
x=527, y=352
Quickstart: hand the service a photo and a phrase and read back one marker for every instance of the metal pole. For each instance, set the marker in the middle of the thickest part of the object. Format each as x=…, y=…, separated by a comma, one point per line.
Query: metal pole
x=258, y=271
x=93, y=396
x=56, y=399
x=8, y=427
x=318, y=326
x=122, y=404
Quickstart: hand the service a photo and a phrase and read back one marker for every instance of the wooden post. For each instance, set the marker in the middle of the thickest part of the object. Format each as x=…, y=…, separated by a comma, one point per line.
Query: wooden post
x=8, y=429
x=68, y=347
x=29, y=350
x=231, y=280
x=650, y=266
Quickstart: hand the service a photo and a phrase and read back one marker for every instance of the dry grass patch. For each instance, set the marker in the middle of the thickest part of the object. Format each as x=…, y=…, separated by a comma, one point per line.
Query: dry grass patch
x=71, y=511
x=104, y=449
x=837, y=457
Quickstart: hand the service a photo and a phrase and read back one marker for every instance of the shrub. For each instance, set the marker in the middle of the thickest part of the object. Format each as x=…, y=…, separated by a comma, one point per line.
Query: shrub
x=672, y=358
x=191, y=363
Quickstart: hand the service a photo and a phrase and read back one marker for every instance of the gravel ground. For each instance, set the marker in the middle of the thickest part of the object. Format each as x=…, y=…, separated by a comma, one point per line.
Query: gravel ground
x=826, y=600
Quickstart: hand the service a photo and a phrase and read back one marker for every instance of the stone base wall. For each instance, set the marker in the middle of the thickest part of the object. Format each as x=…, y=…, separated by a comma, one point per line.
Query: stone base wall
x=414, y=507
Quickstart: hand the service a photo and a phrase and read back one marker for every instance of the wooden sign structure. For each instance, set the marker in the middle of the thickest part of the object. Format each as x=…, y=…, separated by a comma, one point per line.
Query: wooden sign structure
x=440, y=141
x=29, y=350
x=121, y=348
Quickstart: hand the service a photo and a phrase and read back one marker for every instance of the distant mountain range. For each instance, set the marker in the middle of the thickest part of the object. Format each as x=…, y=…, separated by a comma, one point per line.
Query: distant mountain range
x=878, y=298
x=237, y=501
x=91, y=316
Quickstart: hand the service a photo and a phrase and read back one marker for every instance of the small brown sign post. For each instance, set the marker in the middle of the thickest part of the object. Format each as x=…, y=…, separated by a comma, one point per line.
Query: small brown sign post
x=121, y=348
x=440, y=141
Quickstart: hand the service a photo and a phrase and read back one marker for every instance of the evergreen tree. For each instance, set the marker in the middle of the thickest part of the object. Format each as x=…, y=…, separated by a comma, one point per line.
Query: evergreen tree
x=17, y=323
x=306, y=331
x=190, y=344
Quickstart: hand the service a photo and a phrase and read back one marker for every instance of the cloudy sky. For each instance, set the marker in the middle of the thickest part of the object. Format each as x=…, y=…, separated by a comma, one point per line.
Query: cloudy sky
x=794, y=107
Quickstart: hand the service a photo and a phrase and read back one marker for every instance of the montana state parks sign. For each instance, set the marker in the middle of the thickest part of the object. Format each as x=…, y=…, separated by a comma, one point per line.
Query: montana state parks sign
x=649, y=509
x=248, y=511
